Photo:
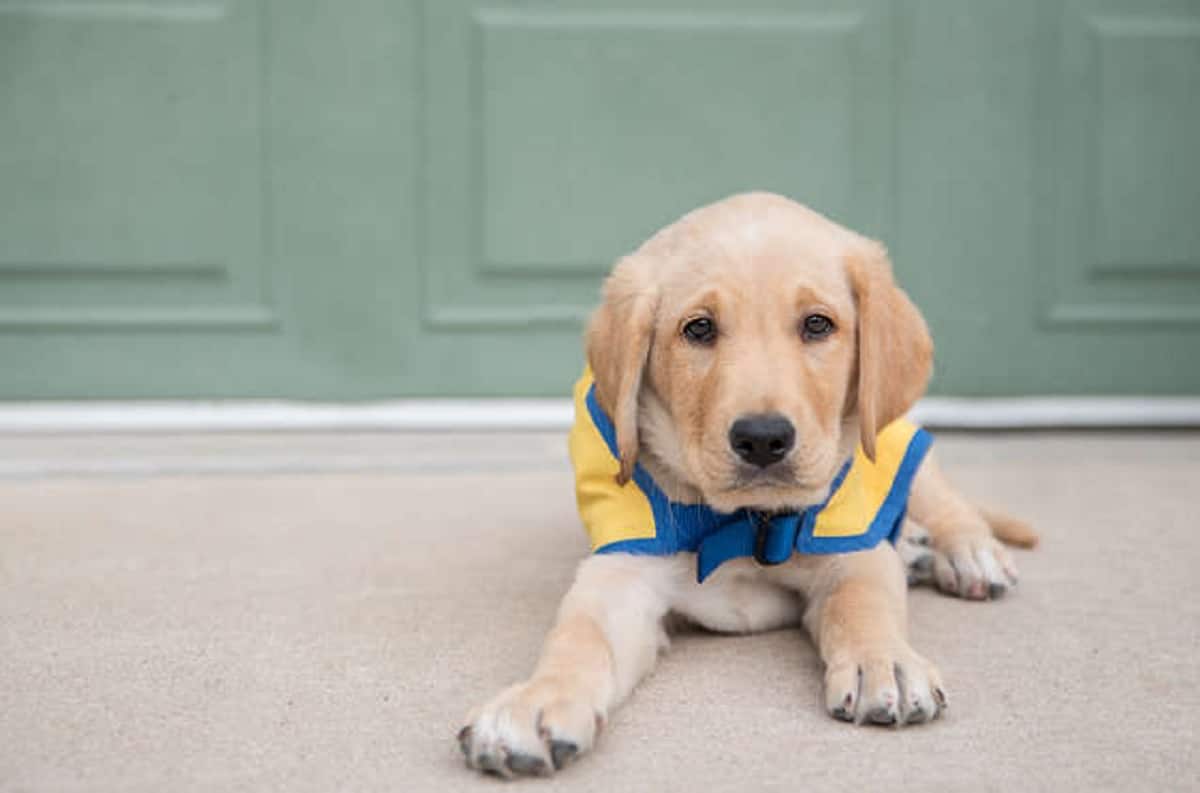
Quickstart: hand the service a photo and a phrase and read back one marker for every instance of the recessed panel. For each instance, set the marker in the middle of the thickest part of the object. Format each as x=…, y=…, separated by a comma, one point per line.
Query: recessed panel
x=131, y=173
x=578, y=133
x=1148, y=154
x=1124, y=243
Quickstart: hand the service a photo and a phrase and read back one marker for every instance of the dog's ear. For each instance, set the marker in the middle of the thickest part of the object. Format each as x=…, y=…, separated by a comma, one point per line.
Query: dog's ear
x=895, y=351
x=618, y=346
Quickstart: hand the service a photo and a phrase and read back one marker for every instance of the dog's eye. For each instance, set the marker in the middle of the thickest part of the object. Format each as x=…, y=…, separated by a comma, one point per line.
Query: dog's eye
x=701, y=330
x=816, y=326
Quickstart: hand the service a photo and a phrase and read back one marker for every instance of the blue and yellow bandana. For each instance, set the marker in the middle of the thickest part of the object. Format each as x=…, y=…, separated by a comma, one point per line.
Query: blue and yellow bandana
x=866, y=504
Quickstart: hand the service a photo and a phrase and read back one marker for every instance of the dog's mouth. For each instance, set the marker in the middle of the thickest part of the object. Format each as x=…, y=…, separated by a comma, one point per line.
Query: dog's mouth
x=775, y=488
x=768, y=495
x=778, y=475
x=729, y=484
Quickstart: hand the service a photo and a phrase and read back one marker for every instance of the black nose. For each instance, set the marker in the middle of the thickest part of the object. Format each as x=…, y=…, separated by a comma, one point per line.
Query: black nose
x=762, y=439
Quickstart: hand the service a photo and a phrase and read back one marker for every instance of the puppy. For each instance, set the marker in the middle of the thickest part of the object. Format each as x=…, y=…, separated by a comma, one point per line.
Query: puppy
x=742, y=461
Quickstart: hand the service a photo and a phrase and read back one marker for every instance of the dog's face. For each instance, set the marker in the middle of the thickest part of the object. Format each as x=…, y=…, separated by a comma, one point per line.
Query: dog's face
x=746, y=348
x=750, y=370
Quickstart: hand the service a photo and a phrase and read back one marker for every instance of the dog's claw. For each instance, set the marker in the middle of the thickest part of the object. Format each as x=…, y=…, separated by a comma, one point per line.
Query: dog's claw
x=464, y=741
x=562, y=752
x=492, y=765
x=882, y=715
x=526, y=764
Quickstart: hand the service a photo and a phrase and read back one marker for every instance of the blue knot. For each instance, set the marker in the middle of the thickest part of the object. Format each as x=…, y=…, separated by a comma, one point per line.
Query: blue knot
x=768, y=539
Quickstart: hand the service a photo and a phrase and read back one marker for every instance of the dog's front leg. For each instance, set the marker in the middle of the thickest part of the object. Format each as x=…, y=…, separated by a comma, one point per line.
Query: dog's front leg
x=607, y=637
x=857, y=615
x=968, y=560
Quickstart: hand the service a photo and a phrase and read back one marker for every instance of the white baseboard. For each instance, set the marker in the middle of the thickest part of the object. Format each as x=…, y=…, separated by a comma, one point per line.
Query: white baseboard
x=1057, y=412
x=542, y=414
x=415, y=415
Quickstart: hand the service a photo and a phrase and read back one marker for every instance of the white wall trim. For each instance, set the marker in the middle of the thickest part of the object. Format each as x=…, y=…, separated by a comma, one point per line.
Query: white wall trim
x=1058, y=412
x=541, y=414
x=253, y=415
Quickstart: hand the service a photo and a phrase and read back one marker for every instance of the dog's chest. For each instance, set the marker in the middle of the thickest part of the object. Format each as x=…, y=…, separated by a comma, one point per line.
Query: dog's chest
x=744, y=597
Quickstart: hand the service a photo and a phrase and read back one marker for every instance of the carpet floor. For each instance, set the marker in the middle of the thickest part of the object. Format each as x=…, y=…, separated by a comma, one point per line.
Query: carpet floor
x=317, y=613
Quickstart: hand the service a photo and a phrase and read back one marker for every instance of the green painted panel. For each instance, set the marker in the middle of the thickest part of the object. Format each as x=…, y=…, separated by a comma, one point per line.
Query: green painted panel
x=1001, y=236
x=1125, y=123
x=539, y=178
x=205, y=198
x=132, y=169
x=379, y=198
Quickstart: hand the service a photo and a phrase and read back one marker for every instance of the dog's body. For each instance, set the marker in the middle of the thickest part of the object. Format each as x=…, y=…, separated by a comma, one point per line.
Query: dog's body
x=743, y=354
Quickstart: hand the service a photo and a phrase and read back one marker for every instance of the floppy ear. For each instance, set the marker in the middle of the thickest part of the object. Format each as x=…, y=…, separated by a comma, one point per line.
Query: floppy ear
x=618, y=346
x=895, y=352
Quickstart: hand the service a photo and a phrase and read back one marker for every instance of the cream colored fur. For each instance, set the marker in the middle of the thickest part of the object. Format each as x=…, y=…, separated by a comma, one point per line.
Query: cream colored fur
x=755, y=264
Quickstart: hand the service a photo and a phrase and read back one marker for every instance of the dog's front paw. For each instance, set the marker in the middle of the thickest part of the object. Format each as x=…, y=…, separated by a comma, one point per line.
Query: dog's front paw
x=533, y=728
x=881, y=686
x=973, y=567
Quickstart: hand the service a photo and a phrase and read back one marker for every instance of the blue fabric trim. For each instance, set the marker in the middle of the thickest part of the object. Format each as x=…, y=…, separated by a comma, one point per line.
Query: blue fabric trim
x=642, y=546
x=607, y=431
x=716, y=537
x=890, y=518
x=678, y=527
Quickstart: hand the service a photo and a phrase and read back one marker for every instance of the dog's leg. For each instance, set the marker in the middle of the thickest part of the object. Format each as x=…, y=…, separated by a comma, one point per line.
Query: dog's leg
x=607, y=637
x=857, y=615
x=968, y=560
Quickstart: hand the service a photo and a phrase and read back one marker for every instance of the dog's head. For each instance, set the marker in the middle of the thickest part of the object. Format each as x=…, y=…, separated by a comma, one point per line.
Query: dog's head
x=747, y=348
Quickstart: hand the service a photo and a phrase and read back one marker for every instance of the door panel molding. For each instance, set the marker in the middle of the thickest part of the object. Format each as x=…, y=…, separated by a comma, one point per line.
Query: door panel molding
x=1120, y=244
x=136, y=167
x=526, y=166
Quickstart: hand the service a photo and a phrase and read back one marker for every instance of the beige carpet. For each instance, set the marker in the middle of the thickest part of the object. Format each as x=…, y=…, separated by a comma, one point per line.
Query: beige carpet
x=325, y=628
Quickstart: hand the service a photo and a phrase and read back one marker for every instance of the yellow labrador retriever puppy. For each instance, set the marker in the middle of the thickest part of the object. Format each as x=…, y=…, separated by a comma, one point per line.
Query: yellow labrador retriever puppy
x=742, y=461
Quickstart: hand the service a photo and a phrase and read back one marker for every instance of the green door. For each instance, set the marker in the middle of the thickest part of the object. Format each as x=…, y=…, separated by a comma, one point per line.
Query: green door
x=382, y=198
